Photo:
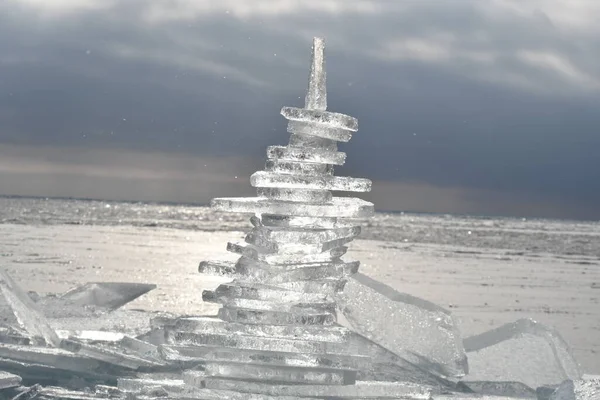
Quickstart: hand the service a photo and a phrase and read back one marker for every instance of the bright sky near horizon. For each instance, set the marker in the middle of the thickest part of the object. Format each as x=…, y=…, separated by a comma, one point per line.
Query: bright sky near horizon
x=468, y=106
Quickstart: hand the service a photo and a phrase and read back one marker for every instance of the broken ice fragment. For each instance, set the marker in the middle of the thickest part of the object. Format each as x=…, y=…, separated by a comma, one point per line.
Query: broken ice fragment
x=257, y=291
x=51, y=357
x=468, y=396
x=209, y=325
x=285, y=194
x=206, y=353
x=360, y=390
x=545, y=392
x=340, y=207
x=26, y=311
x=410, y=327
x=263, y=343
x=307, y=236
x=8, y=380
x=249, y=316
x=53, y=392
x=267, y=305
x=581, y=389
x=137, y=385
x=218, y=268
x=336, y=269
x=108, y=355
x=511, y=389
x=28, y=393
x=308, y=142
x=92, y=336
x=281, y=374
x=110, y=295
x=523, y=351
x=318, y=130
x=298, y=168
x=328, y=285
x=287, y=221
x=336, y=183
x=256, y=253
x=306, y=154
x=334, y=120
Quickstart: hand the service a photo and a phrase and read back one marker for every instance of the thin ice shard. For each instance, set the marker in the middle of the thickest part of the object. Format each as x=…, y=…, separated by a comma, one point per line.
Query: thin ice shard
x=26, y=311
x=360, y=390
x=110, y=295
x=8, y=380
x=306, y=154
x=517, y=390
x=523, y=351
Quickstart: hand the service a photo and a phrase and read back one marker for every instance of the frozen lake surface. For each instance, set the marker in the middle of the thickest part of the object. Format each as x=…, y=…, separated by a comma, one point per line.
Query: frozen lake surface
x=487, y=271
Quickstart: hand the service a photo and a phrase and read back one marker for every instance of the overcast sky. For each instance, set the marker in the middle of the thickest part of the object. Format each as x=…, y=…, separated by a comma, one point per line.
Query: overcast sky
x=468, y=106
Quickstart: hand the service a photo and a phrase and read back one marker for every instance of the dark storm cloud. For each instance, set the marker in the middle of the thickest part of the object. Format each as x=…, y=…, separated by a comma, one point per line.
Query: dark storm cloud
x=469, y=96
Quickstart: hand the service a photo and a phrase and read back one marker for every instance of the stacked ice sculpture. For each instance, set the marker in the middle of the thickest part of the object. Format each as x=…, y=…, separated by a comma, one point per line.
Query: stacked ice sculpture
x=277, y=317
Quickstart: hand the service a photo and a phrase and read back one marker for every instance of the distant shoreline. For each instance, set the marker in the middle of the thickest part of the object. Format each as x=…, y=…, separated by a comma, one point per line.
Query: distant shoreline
x=379, y=211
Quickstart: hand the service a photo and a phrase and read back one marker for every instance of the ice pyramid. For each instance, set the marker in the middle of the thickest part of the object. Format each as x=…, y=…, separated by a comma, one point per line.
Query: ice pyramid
x=276, y=331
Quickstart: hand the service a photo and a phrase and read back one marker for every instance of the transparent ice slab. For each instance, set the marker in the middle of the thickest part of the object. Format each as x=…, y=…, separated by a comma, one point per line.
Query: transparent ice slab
x=8, y=380
x=360, y=390
x=320, y=130
x=322, y=117
x=339, y=207
x=306, y=154
x=416, y=329
x=215, y=325
x=298, y=168
x=523, y=351
x=110, y=295
x=27, y=312
x=517, y=390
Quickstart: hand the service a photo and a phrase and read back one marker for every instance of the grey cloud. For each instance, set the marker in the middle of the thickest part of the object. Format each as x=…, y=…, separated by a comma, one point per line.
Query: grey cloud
x=497, y=96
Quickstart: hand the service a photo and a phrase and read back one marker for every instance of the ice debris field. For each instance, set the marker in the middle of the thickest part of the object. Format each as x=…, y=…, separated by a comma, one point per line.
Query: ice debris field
x=296, y=321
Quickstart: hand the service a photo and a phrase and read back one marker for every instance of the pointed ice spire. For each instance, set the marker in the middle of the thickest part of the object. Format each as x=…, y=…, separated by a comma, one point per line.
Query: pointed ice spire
x=316, y=95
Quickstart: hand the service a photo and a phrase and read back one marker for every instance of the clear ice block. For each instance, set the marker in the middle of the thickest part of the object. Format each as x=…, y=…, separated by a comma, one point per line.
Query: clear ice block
x=361, y=390
x=320, y=130
x=524, y=351
x=8, y=380
x=211, y=325
x=517, y=390
x=327, y=118
x=416, y=329
x=268, y=179
x=281, y=374
x=306, y=154
x=286, y=194
x=298, y=168
x=312, y=142
x=110, y=295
